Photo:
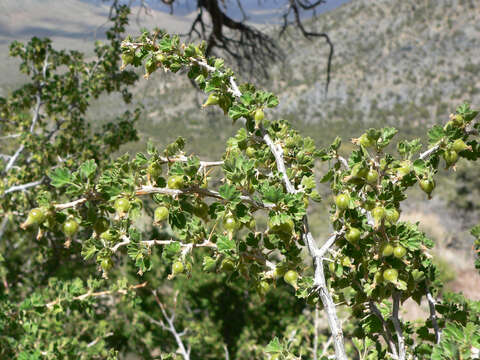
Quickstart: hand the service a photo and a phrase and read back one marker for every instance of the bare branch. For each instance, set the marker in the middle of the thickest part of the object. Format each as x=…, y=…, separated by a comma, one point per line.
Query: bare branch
x=294, y=7
x=97, y=294
x=330, y=241
x=14, y=157
x=227, y=355
x=94, y=342
x=307, y=6
x=183, y=158
x=277, y=152
x=70, y=204
x=11, y=136
x=240, y=6
x=171, y=328
x=433, y=315
x=326, y=345
x=36, y=113
x=398, y=328
x=428, y=152
x=144, y=190
x=250, y=48
x=387, y=335
x=3, y=225
x=320, y=285
x=36, y=116
x=23, y=187
x=343, y=161
x=315, y=333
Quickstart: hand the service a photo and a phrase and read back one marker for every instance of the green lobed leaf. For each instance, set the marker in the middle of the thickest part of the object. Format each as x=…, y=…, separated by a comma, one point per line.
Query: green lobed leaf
x=237, y=111
x=386, y=136
x=274, y=346
x=225, y=244
x=229, y=192
x=87, y=169
x=475, y=231
x=60, y=177
x=435, y=134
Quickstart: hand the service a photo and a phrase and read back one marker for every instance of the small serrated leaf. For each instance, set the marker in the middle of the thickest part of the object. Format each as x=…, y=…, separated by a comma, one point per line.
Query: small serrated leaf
x=228, y=192
x=237, y=111
x=274, y=346
x=60, y=177
x=435, y=134
x=87, y=169
x=225, y=244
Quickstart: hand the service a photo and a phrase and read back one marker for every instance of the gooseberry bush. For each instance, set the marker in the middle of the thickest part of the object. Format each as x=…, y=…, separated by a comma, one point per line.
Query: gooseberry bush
x=239, y=220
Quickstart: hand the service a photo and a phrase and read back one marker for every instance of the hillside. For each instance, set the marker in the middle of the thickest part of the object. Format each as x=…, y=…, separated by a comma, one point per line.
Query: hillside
x=71, y=24
x=402, y=62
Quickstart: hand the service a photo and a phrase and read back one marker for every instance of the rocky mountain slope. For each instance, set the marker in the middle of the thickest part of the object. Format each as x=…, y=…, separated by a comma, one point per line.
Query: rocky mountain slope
x=71, y=24
x=402, y=62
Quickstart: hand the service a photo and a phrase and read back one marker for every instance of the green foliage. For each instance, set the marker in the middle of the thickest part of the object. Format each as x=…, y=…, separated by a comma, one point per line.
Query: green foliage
x=213, y=250
x=55, y=146
x=460, y=336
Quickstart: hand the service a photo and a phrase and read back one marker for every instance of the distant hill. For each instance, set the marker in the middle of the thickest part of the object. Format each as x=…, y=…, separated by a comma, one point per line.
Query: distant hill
x=399, y=62
x=71, y=24
x=75, y=20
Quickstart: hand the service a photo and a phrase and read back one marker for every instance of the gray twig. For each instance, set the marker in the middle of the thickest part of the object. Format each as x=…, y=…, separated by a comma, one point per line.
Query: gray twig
x=23, y=186
x=387, y=335
x=429, y=152
x=397, y=325
x=171, y=328
x=433, y=315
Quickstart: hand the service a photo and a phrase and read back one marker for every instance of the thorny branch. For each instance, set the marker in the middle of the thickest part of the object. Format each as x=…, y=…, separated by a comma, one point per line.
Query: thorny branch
x=398, y=328
x=94, y=342
x=171, y=328
x=127, y=241
x=146, y=190
x=429, y=152
x=320, y=285
x=36, y=116
x=97, y=294
x=387, y=335
x=317, y=256
x=433, y=315
x=23, y=186
x=277, y=152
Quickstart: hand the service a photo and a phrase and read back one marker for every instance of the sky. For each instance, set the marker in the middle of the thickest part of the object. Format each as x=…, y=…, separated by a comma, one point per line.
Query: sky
x=259, y=11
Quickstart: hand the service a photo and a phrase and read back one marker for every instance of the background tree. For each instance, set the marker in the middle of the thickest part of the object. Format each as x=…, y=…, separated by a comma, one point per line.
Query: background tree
x=251, y=49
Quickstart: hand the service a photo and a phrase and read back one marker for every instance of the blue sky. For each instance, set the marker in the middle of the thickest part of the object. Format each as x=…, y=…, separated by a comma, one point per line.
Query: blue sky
x=260, y=11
